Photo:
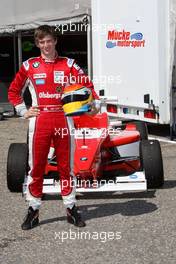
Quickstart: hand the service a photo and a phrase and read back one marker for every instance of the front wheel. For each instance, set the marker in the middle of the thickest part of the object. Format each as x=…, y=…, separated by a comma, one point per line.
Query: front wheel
x=17, y=166
x=152, y=163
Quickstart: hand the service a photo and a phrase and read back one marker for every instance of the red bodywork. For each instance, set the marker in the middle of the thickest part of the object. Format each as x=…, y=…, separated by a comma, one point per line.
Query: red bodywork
x=94, y=142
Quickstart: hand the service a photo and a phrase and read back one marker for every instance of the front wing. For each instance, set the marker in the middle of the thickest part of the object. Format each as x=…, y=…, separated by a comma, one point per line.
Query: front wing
x=132, y=182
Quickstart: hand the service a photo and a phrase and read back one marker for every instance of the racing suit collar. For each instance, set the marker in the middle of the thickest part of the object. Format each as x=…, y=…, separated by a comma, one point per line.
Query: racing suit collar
x=50, y=61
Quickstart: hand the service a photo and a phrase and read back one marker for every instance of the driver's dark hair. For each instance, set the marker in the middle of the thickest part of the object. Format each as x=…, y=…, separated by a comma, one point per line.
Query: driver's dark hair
x=43, y=31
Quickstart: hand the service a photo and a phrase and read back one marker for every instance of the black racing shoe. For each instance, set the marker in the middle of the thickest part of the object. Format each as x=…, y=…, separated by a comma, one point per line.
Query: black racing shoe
x=73, y=217
x=31, y=219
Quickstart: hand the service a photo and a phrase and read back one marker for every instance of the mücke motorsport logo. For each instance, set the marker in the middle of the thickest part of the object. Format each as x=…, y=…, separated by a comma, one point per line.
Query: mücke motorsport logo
x=125, y=39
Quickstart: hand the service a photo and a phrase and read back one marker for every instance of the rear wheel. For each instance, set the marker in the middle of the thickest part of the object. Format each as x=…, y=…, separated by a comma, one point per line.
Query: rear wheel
x=17, y=166
x=142, y=128
x=152, y=163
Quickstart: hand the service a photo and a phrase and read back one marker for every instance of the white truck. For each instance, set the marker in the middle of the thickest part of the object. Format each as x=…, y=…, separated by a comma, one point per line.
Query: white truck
x=133, y=58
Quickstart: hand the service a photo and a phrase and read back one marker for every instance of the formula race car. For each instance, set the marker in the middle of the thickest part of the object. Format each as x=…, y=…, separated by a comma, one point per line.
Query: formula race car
x=109, y=156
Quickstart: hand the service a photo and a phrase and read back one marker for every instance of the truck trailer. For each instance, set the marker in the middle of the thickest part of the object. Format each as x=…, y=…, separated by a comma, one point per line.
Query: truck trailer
x=133, y=54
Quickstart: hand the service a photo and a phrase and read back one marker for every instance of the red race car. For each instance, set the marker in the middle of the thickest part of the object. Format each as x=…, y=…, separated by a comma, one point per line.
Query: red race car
x=109, y=156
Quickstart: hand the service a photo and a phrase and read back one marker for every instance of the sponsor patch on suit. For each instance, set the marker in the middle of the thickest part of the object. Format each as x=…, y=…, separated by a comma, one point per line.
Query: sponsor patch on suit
x=36, y=64
x=58, y=76
x=40, y=81
x=39, y=75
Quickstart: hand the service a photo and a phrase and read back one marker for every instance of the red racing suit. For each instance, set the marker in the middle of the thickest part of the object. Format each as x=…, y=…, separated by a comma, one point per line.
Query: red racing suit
x=46, y=81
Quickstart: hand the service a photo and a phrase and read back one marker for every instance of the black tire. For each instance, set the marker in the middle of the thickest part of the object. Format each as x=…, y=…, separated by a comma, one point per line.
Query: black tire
x=1, y=116
x=152, y=163
x=17, y=166
x=142, y=128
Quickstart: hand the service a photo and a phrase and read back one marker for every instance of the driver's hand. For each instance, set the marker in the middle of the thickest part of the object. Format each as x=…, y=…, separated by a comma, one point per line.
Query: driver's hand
x=33, y=111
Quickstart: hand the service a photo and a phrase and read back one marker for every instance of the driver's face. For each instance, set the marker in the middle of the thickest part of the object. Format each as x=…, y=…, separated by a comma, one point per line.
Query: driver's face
x=47, y=46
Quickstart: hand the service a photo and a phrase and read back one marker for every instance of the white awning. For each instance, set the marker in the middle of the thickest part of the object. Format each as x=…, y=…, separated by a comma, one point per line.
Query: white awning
x=23, y=15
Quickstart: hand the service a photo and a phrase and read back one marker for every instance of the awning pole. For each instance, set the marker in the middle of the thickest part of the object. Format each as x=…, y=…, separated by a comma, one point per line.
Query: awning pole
x=14, y=52
x=19, y=49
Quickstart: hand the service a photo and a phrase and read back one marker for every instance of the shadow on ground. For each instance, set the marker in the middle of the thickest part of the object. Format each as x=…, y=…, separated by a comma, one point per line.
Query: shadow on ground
x=129, y=208
x=159, y=130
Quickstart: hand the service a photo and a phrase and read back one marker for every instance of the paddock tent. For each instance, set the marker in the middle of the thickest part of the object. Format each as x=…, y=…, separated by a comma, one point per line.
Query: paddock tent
x=23, y=15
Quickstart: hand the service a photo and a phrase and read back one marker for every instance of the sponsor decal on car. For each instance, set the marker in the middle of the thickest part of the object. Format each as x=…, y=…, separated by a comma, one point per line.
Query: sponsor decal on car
x=83, y=158
x=133, y=176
